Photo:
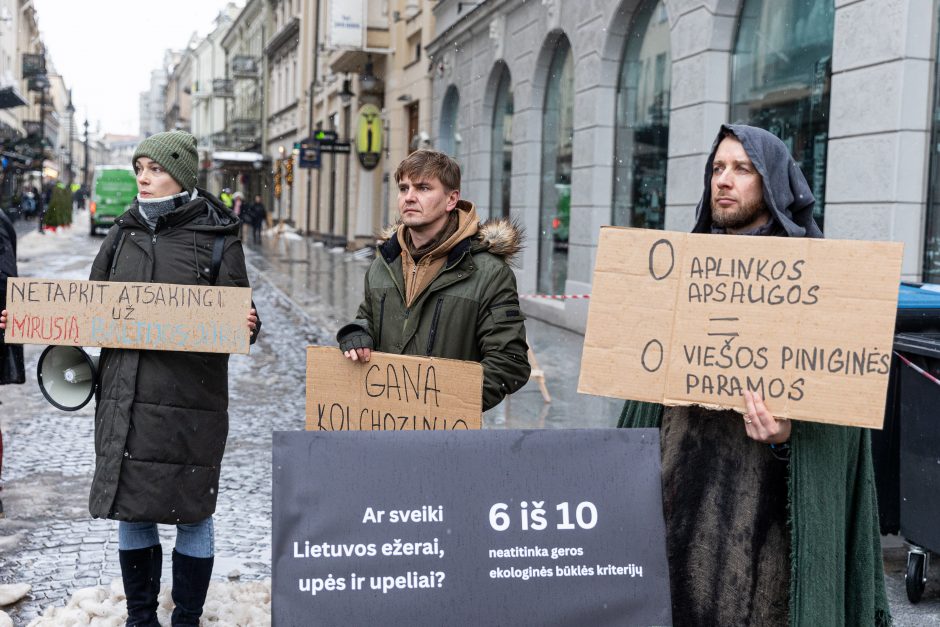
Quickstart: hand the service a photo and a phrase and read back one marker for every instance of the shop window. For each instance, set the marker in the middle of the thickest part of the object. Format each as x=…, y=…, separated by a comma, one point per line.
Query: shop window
x=449, y=138
x=641, y=133
x=501, y=147
x=557, y=144
x=781, y=76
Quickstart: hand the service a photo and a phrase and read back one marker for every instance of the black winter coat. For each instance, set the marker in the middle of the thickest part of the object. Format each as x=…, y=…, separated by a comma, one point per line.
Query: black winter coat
x=12, y=369
x=162, y=416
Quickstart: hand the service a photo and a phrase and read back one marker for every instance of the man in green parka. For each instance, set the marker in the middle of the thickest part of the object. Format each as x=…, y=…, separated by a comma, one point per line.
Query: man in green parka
x=768, y=522
x=441, y=285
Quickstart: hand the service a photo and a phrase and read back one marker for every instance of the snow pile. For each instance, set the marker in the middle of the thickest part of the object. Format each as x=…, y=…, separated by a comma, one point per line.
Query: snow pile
x=231, y=604
x=284, y=230
x=9, y=594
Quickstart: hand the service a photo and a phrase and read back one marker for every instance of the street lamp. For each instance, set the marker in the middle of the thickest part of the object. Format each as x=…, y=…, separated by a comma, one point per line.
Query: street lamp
x=368, y=82
x=85, y=162
x=40, y=83
x=347, y=94
x=70, y=110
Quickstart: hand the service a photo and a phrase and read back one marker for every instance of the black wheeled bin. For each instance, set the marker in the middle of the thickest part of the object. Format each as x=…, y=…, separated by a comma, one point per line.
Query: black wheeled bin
x=906, y=452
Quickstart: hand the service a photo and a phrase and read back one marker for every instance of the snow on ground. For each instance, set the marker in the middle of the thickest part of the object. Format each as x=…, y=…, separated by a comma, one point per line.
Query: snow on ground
x=229, y=604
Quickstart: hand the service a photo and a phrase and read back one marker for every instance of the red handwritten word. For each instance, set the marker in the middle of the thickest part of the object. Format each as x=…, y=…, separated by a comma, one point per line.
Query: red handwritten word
x=50, y=329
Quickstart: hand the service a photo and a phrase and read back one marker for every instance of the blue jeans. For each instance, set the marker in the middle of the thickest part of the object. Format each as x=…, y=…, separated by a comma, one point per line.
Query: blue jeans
x=193, y=540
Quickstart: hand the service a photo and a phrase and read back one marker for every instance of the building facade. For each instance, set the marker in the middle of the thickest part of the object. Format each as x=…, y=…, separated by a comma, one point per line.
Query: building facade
x=571, y=116
x=178, y=100
x=244, y=166
x=118, y=149
x=153, y=100
x=211, y=92
x=373, y=90
x=407, y=94
x=283, y=116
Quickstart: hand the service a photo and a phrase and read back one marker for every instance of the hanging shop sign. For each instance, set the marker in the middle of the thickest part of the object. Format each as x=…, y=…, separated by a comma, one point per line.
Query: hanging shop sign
x=347, y=24
x=369, y=136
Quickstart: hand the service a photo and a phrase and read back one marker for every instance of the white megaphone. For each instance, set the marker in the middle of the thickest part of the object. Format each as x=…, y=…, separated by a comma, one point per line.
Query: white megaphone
x=67, y=376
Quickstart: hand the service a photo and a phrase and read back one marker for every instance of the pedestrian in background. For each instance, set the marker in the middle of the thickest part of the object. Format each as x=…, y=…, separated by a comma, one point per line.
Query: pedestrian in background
x=44, y=199
x=12, y=369
x=238, y=208
x=441, y=285
x=768, y=521
x=237, y=203
x=257, y=216
x=161, y=420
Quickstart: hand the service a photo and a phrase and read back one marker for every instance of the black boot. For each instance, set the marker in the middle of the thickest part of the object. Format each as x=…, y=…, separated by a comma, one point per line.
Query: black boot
x=140, y=569
x=191, y=577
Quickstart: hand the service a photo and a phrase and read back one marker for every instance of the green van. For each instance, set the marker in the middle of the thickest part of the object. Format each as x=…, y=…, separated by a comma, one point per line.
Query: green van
x=112, y=192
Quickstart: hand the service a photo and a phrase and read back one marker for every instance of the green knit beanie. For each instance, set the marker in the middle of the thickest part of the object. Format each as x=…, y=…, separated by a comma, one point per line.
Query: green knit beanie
x=176, y=152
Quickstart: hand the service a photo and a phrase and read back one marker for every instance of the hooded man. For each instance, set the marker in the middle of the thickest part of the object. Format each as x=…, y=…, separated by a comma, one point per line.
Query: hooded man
x=441, y=285
x=768, y=522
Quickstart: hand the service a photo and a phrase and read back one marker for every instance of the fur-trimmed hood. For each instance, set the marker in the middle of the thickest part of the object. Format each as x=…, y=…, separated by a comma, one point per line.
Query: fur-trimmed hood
x=502, y=237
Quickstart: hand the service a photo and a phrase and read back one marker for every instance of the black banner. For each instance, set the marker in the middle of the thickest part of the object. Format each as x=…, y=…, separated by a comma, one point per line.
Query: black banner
x=548, y=527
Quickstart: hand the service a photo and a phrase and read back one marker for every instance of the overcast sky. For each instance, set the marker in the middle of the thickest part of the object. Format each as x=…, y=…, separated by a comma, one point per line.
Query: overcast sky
x=106, y=50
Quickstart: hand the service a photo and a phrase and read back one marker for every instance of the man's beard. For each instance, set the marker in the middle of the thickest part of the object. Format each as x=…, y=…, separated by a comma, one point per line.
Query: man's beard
x=737, y=217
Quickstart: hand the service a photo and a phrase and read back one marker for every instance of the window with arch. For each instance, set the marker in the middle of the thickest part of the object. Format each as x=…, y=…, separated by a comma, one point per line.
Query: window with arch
x=641, y=133
x=449, y=142
x=781, y=76
x=557, y=144
x=501, y=146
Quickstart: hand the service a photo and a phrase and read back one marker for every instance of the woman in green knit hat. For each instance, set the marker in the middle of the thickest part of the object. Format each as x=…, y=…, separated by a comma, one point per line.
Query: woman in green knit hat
x=162, y=417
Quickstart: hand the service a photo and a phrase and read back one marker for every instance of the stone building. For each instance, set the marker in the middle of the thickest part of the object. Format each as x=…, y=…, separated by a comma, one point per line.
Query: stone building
x=178, y=99
x=569, y=116
x=373, y=89
x=244, y=166
x=282, y=94
x=210, y=94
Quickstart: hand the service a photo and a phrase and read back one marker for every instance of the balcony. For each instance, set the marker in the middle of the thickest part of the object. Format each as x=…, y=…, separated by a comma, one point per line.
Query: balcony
x=221, y=139
x=244, y=66
x=378, y=42
x=223, y=88
x=245, y=127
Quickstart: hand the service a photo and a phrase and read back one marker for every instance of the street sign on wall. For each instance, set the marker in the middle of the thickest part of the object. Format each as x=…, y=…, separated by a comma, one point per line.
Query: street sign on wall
x=492, y=527
x=337, y=147
x=324, y=137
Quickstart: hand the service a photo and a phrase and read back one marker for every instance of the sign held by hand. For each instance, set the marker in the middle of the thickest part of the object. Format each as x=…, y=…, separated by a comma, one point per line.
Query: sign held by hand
x=112, y=314
x=683, y=319
x=391, y=392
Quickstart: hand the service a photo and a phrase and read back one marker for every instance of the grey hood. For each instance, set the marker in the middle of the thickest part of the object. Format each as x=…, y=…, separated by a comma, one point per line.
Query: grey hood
x=786, y=193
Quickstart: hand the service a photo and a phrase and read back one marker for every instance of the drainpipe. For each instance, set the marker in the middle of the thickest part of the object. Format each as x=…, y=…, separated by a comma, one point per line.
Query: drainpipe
x=313, y=81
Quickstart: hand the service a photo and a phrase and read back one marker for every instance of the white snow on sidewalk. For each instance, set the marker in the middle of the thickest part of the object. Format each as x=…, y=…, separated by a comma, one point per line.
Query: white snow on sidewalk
x=229, y=604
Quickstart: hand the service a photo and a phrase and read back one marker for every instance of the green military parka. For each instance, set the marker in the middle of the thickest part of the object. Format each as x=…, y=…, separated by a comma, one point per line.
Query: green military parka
x=470, y=310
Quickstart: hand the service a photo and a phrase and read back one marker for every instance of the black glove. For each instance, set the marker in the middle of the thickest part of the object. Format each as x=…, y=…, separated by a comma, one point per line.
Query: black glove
x=355, y=339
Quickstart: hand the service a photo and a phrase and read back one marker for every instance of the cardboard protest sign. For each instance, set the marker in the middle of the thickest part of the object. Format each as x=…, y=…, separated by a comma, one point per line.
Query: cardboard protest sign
x=391, y=392
x=681, y=319
x=490, y=527
x=112, y=314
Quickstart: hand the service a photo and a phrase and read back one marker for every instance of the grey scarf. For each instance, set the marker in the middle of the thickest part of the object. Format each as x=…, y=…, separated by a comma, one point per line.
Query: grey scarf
x=152, y=209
